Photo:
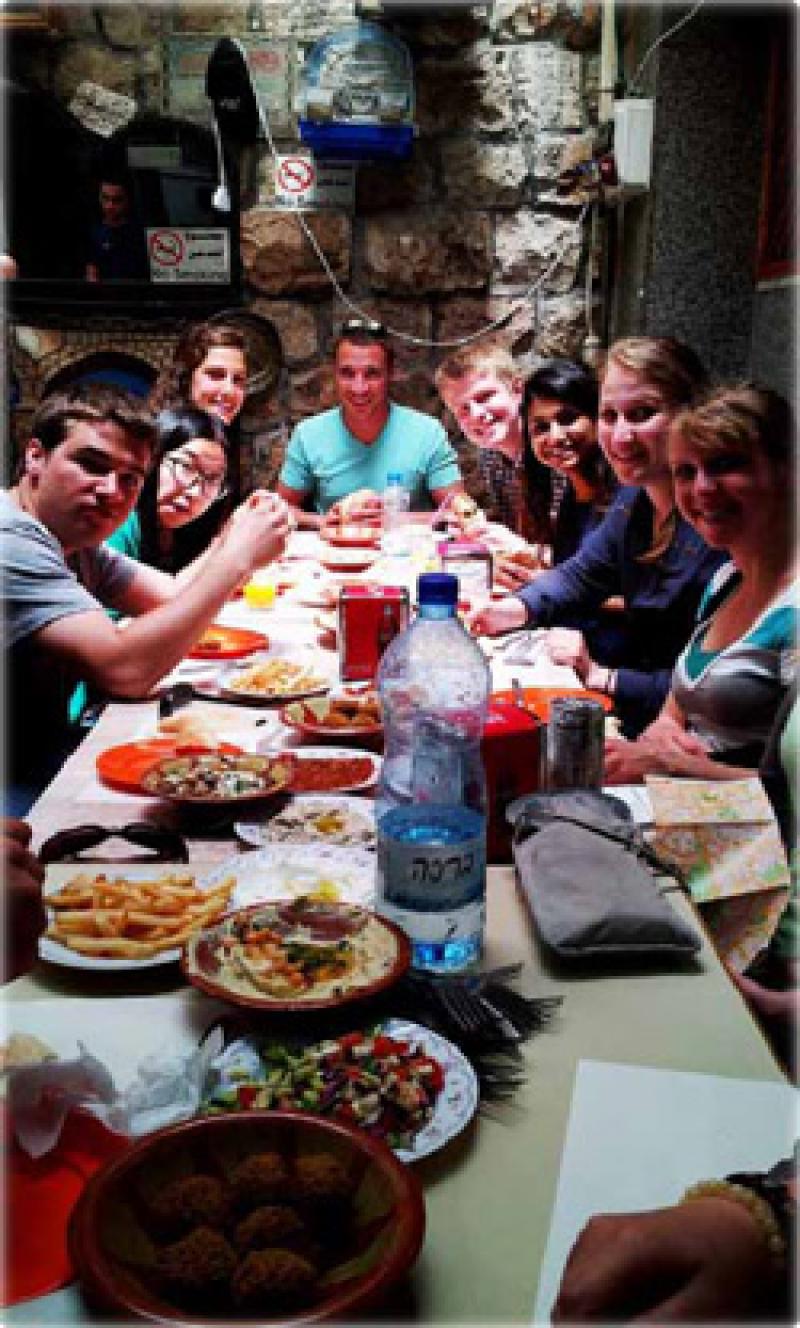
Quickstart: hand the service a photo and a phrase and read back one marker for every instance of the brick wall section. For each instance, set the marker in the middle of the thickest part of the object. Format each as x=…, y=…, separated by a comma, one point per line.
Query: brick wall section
x=437, y=247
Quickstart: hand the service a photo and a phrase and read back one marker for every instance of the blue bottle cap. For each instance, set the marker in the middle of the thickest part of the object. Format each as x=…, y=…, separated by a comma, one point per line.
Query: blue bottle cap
x=395, y=477
x=437, y=588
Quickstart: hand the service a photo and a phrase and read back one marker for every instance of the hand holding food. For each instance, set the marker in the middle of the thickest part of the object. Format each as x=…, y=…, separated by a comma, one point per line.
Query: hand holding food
x=116, y=918
x=514, y=570
x=463, y=513
x=362, y=503
x=258, y=530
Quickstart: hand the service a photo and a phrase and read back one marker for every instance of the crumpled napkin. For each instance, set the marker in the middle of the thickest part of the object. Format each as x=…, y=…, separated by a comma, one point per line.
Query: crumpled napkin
x=166, y=1089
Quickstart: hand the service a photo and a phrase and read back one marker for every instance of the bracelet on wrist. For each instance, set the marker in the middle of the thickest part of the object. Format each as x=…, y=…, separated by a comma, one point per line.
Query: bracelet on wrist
x=759, y=1209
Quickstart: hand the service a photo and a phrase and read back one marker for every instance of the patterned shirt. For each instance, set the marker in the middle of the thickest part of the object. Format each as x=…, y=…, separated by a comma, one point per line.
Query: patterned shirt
x=504, y=482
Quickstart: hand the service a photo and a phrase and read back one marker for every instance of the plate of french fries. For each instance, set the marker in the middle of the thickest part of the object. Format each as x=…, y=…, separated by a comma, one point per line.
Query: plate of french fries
x=128, y=917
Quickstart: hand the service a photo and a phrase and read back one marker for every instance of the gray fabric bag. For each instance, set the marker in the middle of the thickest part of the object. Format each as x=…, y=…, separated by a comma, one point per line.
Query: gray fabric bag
x=590, y=883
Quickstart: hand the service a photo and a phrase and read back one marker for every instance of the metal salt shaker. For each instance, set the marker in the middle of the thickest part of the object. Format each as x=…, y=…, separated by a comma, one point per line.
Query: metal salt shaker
x=574, y=744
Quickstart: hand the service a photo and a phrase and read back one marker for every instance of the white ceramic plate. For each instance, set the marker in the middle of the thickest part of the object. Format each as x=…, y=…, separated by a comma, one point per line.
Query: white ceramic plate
x=294, y=824
x=284, y=871
x=55, y=953
x=458, y=1100
x=455, y=1106
x=320, y=753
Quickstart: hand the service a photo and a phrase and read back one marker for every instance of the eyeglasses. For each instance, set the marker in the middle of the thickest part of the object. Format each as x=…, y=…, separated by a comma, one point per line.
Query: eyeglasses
x=374, y=328
x=189, y=476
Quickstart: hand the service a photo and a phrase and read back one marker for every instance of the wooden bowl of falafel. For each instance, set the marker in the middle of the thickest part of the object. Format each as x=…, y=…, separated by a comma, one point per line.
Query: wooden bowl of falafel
x=269, y=1216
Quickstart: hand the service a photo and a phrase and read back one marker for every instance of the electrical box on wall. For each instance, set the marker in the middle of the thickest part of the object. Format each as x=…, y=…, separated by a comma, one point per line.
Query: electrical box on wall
x=633, y=140
x=356, y=96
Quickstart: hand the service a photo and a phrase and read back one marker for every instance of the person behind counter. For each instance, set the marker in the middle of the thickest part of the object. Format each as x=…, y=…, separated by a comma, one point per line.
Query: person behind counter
x=643, y=549
x=117, y=249
x=83, y=468
x=732, y=461
x=350, y=451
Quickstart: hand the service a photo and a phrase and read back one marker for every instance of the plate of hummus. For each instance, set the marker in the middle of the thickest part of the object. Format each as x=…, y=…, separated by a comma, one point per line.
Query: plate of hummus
x=293, y=955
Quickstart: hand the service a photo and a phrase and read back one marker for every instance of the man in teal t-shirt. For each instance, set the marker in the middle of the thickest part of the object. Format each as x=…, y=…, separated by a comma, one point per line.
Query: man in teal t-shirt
x=366, y=437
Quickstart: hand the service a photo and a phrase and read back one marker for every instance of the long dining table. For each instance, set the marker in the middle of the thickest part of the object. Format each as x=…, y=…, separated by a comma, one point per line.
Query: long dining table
x=489, y=1194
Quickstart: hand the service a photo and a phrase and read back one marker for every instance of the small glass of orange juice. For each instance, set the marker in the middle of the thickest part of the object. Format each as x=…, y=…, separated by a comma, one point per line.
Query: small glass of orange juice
x=259, y=591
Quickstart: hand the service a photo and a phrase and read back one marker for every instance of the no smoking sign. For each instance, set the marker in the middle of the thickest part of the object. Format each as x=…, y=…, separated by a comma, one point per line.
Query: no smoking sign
x=302, y=182
x=295, y=178
x=166, y=248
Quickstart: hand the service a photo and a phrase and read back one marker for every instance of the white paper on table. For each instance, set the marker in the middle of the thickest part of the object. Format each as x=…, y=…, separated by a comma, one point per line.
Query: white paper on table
x=637, y=1138
x=636, y=799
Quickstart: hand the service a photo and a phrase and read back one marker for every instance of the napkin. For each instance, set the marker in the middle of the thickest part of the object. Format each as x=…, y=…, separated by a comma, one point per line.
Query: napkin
x=166, y=1089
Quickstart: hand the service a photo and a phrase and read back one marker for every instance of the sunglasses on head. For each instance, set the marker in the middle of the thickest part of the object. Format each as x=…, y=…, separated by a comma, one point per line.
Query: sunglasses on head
x=374, y=328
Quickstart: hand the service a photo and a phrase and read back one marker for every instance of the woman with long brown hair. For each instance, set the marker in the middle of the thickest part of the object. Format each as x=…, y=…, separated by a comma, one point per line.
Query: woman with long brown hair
x=643, y=550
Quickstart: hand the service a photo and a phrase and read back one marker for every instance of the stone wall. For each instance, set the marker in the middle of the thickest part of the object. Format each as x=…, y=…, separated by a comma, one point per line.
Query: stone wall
x=436, y=248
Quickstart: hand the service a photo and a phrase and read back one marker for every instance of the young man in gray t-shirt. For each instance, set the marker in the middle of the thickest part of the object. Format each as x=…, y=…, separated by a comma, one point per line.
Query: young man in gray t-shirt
x=81, y=473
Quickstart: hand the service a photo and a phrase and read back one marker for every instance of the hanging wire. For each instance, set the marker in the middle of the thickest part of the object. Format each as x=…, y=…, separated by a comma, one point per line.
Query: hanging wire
x=356, y=309
x=687, y=18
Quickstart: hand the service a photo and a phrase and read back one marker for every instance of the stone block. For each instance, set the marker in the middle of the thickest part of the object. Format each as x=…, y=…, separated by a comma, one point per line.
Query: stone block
x=483, y=175
x=314, y=19
x=278, y=258
x=225, y=20
x=128, y=27
x=439, y=31
x=95, y=62
x=575, y=22
x=396, y=184
x=77, y=20
x=312, y=392
x=562, y=327
x=415, y=389
x=469, y=92
x=296, y=325
x=464, y=316
x=435, y=252
x=527, y=242
x=548, y=87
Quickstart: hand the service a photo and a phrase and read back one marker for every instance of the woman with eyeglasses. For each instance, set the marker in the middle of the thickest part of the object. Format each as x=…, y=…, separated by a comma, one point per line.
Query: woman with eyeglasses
x=186, y=481
x=208, y=370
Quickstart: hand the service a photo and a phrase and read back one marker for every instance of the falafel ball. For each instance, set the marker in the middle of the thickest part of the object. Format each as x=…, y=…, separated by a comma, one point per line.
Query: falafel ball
x=279, y=1278
x=201, y=1263
x=321, y=1177
x=189, y=1202
x=259, y=1179
x=273, y=1224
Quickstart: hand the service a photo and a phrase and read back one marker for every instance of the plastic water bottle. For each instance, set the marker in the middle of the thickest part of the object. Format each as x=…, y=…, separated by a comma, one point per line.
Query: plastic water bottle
x=434, y=684
x=396, y=503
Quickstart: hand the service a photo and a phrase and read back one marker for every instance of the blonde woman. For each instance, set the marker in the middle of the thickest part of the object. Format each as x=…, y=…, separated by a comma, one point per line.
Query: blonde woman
x=732, y=465
x=643, y=550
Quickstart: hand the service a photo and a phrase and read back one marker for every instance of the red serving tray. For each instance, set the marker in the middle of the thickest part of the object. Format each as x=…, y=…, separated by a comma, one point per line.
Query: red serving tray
x=233, y=643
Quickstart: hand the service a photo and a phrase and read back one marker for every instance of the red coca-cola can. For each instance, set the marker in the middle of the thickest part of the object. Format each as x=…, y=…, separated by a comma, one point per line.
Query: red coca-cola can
x=369, y=618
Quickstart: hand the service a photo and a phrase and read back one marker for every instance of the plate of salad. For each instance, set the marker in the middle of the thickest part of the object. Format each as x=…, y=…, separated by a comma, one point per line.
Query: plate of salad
x=398, y=1080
